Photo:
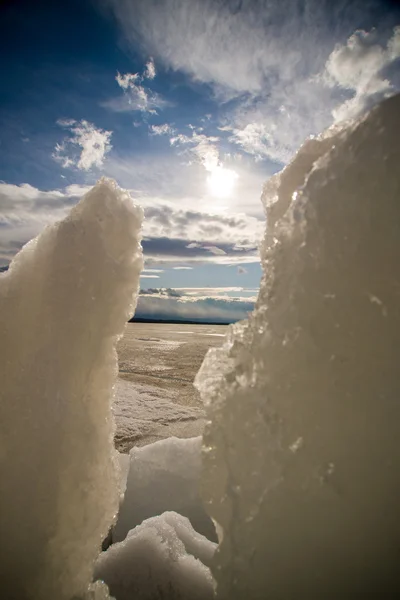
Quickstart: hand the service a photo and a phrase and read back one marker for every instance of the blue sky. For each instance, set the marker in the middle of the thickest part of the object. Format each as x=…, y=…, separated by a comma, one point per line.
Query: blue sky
x=190, y=104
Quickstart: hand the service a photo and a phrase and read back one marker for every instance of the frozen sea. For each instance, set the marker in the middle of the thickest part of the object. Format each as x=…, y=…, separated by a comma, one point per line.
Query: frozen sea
x=154, y=395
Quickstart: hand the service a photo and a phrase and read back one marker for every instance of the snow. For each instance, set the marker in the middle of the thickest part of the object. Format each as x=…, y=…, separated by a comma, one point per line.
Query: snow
x=164, y=476
x=63, y=304
x=160, y=559
x=301, y=461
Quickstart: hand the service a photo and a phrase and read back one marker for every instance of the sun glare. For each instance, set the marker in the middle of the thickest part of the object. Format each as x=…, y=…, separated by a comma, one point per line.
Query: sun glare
x=221, y=182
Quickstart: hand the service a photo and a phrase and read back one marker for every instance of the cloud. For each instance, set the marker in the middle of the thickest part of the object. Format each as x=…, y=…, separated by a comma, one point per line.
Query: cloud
x=143, y=276
x=162, y=129
x=214, y=42
x=201, y=232
x=168, y=303
x=94, y=144
x=215, y=250
x=25, y=211
x=201, y=146
x=153, y=271
x=358, y=66
x=259, y=140
x=264, y=61
x=150, y=71
x=166, y=250
x=136, y=96
x=169, y=230
x=182, y=268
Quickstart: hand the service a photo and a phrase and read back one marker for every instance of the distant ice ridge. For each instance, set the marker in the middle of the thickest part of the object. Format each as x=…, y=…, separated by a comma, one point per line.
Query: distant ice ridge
x=63, y=304
x=301, y=453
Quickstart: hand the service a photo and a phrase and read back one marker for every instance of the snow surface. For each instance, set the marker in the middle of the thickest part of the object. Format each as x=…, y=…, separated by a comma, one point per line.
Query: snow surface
x=143, y=414
x=164, y=476
x=161, y=559
x=63, y=304
x=301, y=458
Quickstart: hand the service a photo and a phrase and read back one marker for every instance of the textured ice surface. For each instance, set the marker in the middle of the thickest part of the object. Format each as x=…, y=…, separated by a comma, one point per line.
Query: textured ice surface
x=164, y=476
x=63, y=304
x=161, y=559
x=143, y=411
x=302, y=461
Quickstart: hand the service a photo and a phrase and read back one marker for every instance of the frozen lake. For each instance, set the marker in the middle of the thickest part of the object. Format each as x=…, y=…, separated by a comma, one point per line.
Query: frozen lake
x=155, y=397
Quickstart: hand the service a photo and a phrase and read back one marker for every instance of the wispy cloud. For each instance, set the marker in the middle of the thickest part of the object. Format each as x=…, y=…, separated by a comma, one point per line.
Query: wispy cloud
x=164, y=129
x=136, y=97
x=84, y=148
x=358, y=66
x=273, y=58
x=182, y=268
x=224, y=46
x=150, y=71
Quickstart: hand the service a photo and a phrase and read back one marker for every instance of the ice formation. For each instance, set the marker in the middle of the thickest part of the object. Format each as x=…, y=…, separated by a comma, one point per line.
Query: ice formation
x=163, y=558
x=164, y=476
x=63, y=303
x=301, y=457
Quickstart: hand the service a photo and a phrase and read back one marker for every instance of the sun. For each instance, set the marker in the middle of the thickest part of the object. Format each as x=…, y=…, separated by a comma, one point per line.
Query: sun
x=221, y=181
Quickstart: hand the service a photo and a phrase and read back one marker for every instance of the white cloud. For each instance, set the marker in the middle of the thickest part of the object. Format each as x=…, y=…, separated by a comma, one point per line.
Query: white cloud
x=202, y=146
x=127, y=80
x=150, y=71
x=165, y=304
x=164, y=129
x=182, y=268
x=143, y=276
x=94, y=144
x=255, y=139
x=358, y=66
x=136, y=96
x=153, y=271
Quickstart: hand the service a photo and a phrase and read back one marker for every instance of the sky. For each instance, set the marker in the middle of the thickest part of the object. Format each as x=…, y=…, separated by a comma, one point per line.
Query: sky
x=191, y=105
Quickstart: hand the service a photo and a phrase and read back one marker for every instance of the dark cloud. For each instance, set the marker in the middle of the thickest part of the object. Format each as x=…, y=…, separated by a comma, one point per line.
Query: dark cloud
x=167, y=249
x=169, y=233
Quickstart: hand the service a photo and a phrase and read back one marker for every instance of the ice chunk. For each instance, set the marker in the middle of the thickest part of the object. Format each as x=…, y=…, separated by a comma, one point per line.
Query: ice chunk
x=160, y=559
x=63, y=303
x=302, y=466
x=164, y=476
